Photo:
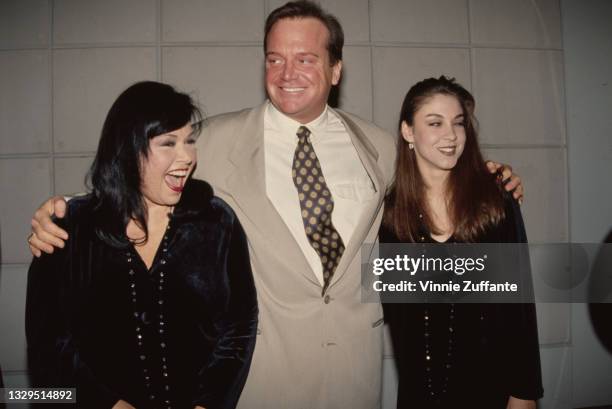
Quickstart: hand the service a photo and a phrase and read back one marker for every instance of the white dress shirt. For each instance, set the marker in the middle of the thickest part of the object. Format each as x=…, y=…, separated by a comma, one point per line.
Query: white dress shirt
x=346, y=177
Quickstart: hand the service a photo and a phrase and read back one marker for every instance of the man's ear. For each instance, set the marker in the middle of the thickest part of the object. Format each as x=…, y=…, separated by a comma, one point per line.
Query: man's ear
x=407, y=132
x=336, y=72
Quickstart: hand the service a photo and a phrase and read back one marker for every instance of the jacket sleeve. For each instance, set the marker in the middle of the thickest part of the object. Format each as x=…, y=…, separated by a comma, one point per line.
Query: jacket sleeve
x=53, y=354
x=224, y=375
x=522, y=346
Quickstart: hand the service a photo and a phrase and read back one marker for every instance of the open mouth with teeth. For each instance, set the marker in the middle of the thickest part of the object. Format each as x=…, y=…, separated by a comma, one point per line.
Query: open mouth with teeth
x=176, y=179
x=447, y=150
x=292, y=89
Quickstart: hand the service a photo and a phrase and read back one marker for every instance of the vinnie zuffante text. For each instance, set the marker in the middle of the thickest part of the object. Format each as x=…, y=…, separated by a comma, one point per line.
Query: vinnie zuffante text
x=411, y=267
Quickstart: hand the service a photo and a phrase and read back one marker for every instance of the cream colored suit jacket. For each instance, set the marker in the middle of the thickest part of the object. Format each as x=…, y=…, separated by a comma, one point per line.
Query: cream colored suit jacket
x=311, y=351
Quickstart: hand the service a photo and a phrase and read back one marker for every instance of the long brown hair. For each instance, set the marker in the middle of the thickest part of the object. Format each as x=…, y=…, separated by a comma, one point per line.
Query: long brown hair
x=475, y=198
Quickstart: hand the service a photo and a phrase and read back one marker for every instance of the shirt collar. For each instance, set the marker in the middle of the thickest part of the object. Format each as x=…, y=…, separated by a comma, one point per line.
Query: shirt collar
x=276, y=120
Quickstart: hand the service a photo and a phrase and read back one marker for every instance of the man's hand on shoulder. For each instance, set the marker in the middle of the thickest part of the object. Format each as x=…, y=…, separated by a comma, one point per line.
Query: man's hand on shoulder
x=46, y=235
x=512, y=182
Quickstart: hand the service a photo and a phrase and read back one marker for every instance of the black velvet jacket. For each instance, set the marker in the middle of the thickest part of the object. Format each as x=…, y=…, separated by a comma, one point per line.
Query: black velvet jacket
x=182, y=332
x=479, y=354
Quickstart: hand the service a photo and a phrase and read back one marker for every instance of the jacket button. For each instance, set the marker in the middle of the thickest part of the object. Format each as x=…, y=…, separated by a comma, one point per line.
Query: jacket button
x=326, y=299
x=143, y=318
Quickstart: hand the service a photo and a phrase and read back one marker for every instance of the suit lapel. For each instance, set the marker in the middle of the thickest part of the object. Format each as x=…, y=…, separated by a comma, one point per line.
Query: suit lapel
x=368, y=155
x=248, y=188
x=247, y=184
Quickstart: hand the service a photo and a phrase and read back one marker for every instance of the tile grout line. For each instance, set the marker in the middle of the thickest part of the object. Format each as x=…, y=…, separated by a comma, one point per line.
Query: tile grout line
x=471, y=48
x=371, y=51
x=246, y=43
x=158, y=35
x=88, y=154
x=51, y=5
x=568, y=188
x=158, y=41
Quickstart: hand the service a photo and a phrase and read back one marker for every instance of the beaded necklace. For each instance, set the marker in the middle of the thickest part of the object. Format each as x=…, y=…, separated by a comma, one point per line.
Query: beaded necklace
x=427, y=323
x=141, y=317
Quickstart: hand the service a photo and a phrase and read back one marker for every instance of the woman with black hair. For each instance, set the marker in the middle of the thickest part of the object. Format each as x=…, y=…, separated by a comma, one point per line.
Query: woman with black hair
x=455, y=355
x=151, y=304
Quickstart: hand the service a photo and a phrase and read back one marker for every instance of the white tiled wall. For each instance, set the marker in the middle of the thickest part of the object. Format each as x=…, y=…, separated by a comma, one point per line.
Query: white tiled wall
x=24, y=24
x=221, y=78
x=100, y=22
x=24, y=183
x=557, y=365
x=587, y=37
x=69, y=174
x=14, y=280
x=26, y=110
x=420, y=21
x=517, y=23
x=356, y=84
x=353, y=14
x=62, y=63
x=397, y=68
x=519, y=96
x=216, y=21
x=86, y=81
x=544, y=173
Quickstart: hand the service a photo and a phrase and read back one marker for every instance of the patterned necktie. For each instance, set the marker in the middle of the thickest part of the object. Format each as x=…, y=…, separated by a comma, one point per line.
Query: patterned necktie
x=317, y=205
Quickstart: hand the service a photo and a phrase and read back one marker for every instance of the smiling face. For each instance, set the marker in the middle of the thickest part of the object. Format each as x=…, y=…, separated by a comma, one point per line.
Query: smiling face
x=438, y=134
x=170, y=161
x=299, y=76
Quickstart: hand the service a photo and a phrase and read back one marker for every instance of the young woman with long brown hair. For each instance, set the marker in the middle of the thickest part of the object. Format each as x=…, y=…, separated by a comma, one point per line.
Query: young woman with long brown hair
x=455, y=355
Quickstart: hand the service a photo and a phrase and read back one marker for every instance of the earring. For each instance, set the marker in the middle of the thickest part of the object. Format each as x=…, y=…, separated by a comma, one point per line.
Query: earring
x=410, y=145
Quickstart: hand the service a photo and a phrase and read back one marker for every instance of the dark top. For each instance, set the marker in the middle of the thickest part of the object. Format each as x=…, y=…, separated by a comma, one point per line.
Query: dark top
x=466, y=355
x=178, y=335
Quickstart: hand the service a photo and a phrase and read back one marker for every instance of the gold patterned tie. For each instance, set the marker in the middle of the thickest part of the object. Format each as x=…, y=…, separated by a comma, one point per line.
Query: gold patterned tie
x=317, y=205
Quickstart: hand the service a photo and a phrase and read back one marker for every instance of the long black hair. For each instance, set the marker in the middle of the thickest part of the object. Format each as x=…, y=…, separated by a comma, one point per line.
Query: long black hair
x=143, y=111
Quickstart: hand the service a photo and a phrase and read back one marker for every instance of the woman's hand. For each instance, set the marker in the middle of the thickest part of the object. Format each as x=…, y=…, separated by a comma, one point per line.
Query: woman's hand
x=516, y=403
x=123, y=405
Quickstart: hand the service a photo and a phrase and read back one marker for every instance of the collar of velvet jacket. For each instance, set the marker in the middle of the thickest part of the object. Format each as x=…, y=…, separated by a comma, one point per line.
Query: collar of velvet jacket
x=194, y=200
x=85, y=213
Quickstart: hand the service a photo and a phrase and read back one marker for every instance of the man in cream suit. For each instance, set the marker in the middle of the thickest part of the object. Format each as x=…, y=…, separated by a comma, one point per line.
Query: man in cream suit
x=318, y=345
x=315, y=349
